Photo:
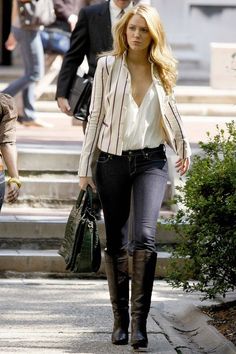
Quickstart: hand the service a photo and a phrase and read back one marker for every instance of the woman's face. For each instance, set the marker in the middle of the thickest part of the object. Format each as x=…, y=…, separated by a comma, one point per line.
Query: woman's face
x=137, y=33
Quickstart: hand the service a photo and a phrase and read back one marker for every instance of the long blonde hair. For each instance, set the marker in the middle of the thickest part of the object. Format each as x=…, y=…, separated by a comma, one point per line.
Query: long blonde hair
x=159, y=52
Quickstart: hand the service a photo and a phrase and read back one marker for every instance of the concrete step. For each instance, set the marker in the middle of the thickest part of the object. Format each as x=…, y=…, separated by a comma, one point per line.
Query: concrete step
x=205, y=109
x=54, y=189
x=184, y=94
x=19, y=230
x=49, y=174
x=49, y=188
x=10, y=73
x=48, y=261
x=41, y=158
x=204, y=94
x=30, y=242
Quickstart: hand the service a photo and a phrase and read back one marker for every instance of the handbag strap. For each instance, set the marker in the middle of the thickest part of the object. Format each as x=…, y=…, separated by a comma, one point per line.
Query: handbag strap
x=79, y=199
x=85, y=198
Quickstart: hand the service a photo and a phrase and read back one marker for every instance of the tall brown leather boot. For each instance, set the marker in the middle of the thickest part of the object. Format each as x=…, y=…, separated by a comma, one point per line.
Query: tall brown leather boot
x=144, y=264
x=118, y=283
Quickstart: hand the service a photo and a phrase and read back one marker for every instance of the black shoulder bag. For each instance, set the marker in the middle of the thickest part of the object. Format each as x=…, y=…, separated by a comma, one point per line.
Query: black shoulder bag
x=80, y=96
x=81, y=245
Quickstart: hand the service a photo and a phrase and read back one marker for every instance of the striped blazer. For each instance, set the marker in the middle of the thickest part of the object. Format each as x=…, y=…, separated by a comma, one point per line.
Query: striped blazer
x=109, y=101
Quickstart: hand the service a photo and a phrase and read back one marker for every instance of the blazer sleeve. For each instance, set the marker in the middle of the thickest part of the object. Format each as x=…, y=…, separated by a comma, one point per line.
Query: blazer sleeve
x=95, y=119
x=79, y=47
x=174, y=129
x=8, y=117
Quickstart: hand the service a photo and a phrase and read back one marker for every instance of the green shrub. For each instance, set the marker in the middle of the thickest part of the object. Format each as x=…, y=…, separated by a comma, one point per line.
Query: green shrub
x=206, y=220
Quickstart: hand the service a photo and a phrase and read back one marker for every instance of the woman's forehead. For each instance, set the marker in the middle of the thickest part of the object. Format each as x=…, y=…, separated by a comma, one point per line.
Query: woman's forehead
x=138, y=20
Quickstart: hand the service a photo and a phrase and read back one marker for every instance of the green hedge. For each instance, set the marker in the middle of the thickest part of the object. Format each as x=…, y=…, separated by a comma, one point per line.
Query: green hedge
x=208, y=212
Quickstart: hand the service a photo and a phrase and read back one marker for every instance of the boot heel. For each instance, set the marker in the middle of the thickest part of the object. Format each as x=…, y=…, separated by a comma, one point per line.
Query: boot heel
x=120, y=334
x=139, y=337
x=118, y=283
x=144, y=264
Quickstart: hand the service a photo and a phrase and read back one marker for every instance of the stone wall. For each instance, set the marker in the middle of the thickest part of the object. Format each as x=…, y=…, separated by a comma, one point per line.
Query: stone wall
x=192, y=25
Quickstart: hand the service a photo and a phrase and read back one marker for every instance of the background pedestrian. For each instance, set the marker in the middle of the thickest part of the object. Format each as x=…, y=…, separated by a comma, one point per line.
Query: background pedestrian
x=8, y=154
x=32, y=55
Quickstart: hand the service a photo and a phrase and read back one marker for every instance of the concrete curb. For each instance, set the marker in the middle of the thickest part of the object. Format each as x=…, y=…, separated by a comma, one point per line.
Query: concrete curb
x=205, y=335
x=189, y=331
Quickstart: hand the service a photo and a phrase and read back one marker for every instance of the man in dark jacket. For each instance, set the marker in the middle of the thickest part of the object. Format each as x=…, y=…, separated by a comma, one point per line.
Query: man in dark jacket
x=91, y=36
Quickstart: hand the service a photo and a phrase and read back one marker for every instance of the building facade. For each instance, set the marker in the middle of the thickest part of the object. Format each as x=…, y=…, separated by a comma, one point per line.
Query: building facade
x=191, y=26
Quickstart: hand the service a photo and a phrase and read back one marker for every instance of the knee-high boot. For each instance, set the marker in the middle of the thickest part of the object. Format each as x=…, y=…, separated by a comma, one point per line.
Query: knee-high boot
x=144, y=264
x=118, y=283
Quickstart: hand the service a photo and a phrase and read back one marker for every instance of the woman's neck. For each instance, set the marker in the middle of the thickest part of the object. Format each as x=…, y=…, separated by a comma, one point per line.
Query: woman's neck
x=137, y=57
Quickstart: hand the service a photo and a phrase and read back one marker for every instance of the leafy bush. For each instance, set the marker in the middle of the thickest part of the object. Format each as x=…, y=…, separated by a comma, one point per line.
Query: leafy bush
x=206, y=220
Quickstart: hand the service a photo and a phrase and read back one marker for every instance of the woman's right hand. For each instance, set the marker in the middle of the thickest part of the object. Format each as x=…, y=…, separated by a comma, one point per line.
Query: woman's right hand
x=11, y=42
x=85, y=181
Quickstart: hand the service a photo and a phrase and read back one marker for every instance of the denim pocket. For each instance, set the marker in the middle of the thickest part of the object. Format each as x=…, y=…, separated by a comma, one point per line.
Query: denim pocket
x=103, y=157
x=157, y=156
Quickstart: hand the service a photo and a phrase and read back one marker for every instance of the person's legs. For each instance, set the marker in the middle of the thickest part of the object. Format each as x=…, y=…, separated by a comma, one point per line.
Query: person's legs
x=114, y=188
x=33, y=59
x=19, y=84
x=2, y=188
x=34, y=64
x=148, y=192
x=113, y=184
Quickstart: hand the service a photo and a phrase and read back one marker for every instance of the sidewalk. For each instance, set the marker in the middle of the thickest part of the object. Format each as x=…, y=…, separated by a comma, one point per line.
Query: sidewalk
x=74, y=316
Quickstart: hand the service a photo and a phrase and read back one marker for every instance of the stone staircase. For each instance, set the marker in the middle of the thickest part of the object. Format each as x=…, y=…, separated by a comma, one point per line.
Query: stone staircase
x=32, y=229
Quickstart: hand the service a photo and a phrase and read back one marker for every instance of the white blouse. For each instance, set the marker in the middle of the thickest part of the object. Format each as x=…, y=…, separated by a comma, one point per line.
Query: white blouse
x=142, y=124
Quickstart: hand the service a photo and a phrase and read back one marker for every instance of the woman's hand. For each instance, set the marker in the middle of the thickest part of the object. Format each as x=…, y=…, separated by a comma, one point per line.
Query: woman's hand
x=85, y=181
x=11, y=42
x=12, y=192
x=182, y=165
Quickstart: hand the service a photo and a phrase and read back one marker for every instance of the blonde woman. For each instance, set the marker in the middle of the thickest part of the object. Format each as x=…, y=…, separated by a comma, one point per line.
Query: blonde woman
x=132, y=116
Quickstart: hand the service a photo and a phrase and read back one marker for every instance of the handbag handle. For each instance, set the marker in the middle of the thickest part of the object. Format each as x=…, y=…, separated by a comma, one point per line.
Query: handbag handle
x=85, y=197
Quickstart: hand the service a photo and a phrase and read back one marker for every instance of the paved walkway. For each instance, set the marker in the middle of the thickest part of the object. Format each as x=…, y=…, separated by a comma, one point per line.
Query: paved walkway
x=74, y=316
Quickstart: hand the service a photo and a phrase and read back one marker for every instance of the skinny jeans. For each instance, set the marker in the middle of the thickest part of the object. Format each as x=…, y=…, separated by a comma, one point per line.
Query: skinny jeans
x=137, y=178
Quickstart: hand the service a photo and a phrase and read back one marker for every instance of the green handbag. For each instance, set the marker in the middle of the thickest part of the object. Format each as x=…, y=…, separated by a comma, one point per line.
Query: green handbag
x=81, y=245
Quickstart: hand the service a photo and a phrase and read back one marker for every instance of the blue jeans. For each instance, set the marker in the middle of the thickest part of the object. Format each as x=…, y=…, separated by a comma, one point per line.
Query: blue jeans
x=55, y=41
x=136, y=178
x=33, y=59
x=2, y=187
